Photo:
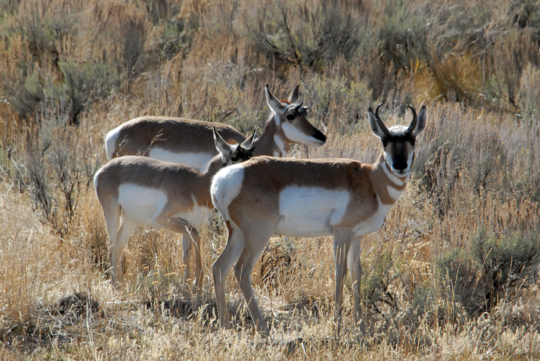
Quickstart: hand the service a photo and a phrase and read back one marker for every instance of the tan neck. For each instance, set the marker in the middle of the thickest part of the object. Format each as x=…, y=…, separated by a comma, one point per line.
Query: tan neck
x=266, y=143
x=381, y=181
x=215, y=165
x=204, y=179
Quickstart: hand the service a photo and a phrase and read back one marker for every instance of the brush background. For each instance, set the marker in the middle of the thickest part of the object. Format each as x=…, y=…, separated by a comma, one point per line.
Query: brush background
x=452, y=274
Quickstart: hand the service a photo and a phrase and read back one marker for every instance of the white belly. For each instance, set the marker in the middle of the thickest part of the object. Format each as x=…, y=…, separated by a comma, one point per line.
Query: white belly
x=143, y=206
x=310, y=212
x=198, y=161
x=140, y=204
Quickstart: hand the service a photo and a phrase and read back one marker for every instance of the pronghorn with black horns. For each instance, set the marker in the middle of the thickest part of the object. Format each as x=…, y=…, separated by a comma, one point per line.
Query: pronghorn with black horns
x=309, y=198
x=190, y=142
x=144, y=191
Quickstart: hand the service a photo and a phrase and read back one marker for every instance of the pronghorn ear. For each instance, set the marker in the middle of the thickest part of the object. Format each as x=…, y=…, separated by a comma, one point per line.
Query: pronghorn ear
x=274, y=103
x=293, y=97
x=375, y=126
x=421, y=121
x=248, y=143
x=221, y=145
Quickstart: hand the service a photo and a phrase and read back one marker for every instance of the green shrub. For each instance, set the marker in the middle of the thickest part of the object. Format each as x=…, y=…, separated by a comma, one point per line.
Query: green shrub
x=493, y=269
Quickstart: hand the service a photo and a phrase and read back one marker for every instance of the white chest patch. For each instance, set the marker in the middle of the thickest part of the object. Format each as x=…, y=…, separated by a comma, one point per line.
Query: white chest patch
x=140, y=204
x=110, y=141
x=310, y=212
x=226, y=186
x=375, y=222
x=394, y=193
x=198, y=161
x=281, y=146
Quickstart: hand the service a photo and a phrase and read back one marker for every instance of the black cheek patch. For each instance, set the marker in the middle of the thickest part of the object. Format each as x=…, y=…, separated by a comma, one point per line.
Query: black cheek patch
x=319, y=135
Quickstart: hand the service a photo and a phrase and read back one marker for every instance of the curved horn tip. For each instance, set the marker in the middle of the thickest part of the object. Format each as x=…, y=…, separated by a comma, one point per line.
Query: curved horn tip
x=377, y=109
x=412, y=109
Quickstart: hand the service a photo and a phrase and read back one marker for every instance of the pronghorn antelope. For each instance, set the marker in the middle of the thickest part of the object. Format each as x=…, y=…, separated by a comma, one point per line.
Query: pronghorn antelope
x=309, y=198
x=190, y=142
x=145, y=191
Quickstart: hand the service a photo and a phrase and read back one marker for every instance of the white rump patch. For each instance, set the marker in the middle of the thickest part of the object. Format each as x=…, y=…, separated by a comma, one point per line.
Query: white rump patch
x=226, y=186
x=296, y=136
x=310, y=212
x=198, y=161
x=110, y=141
x=141, y=204
x=96, y=176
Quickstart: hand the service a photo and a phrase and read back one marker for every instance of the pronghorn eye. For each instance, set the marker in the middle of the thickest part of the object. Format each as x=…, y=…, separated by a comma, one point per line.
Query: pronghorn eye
x=290, y=117
x=384, y=142
x=234, y=159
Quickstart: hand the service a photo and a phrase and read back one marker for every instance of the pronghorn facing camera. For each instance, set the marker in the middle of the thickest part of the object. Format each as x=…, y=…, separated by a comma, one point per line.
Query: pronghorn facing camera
x=190, y=142
x=150, y=192
x=309, y=198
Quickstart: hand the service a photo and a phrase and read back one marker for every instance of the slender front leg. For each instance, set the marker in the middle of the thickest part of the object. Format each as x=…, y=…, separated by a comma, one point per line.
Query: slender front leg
x=342, y=242
x=220, y=269
x=189, y=234
x=190, y=240
x=355, y=267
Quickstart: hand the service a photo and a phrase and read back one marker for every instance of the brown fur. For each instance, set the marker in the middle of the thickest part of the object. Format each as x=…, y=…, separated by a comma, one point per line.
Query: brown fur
x=268, y=175
x=254, y=213
x=179, y=135
x=138, y=136
x=183, y=186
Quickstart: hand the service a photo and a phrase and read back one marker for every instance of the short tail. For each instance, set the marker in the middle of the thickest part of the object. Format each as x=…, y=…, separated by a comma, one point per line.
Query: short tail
x=110, y=142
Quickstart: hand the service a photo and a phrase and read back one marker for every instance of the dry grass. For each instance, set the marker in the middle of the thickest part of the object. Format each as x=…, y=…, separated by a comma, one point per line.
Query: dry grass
x=427, y=274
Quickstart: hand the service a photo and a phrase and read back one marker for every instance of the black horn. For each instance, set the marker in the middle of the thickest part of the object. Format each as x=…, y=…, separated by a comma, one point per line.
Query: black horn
x=414, y=120
x=379, y=121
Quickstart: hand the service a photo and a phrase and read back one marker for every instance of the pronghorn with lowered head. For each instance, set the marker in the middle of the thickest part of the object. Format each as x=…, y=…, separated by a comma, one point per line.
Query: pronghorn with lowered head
x=190, y=142
x=172, y=196
x=309, y=198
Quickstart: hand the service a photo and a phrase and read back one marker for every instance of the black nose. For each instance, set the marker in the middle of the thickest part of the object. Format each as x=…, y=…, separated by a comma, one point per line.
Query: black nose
x=399, y=164
x=319, y=135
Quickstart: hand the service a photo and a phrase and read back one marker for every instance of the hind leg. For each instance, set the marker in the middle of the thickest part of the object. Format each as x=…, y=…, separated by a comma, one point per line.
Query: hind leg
x=112, y=219
x=124, y=233
x=220, y=269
